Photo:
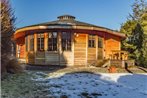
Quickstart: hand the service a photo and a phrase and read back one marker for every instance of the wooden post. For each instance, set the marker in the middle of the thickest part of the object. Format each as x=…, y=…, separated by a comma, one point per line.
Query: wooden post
x=17, y=50
x=86, y=50
x=35, y=42
x=96, y=39
x=35, y=47
x=45, y=46
x=112, y=56
x=119, y=55
x=59, y=46
x=26, y=49
x=72, y=41
x=28, y=43
x=104, y=47
x=45, y=41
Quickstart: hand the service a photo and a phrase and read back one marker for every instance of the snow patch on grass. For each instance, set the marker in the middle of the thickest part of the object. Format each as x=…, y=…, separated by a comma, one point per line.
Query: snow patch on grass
x=103, y=85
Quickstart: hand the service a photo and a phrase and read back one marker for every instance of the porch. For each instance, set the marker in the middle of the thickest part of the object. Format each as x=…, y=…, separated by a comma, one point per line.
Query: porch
x=120, y=58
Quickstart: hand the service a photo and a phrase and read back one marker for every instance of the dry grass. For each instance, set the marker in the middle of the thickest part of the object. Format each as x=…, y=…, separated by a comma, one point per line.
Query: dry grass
x=10, y=65
x=20, y=85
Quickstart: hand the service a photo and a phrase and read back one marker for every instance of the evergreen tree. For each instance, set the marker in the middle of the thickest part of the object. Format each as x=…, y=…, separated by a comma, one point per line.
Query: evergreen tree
x=144, y=26
x=7, y=27
x=138, y=7
x=137, y=37
x=127, y=45
x=136, y=30
x=8, y=63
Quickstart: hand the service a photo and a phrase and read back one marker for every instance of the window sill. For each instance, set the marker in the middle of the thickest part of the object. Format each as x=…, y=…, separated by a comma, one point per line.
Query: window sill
x=91, y=47
x=67, y=51
x=52, y=51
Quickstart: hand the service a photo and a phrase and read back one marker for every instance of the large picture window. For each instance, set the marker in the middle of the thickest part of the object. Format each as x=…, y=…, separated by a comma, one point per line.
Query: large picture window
x=40, y=42
x=100, y=42
x=66, y=41
x=31, y=42
x=52, y=41
x=91, y=41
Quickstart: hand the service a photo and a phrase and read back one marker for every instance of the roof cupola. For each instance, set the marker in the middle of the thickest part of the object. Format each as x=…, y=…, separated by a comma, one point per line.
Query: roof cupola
x=66, y=17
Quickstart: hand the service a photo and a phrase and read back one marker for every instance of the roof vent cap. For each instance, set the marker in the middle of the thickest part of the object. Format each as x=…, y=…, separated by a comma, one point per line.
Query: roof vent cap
x=66, y=17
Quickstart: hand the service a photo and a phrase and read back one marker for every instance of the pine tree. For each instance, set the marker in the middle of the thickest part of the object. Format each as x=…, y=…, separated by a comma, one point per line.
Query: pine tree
x=8, y=63
x=7, y=27
x=144, y=26
x=127, y=45
x=136, y=30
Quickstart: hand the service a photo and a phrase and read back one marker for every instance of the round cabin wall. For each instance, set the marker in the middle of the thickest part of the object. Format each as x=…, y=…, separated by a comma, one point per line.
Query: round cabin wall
x=50, y=48
x=65, y=42
x=61, y=48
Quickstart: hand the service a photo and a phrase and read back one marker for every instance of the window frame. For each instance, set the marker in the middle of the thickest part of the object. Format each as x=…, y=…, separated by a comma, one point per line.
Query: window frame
x=100, y=42
x=26, y=43
x=54, y=41
x=31, y=41
x=40, y=41
x=66, y=40
x=92, y=41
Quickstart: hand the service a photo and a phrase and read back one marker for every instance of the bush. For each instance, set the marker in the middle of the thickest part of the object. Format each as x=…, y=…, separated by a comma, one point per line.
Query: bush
x=14, y=66
x=4, y=61
x=10, y=64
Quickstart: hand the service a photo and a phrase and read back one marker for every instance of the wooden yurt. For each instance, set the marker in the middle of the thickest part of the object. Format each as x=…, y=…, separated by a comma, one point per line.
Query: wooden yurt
x=66, y=41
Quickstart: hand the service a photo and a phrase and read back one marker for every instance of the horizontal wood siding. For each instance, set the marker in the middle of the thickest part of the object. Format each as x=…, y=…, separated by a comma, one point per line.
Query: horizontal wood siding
x=22, y=51
x=80, y=50
x=40, y=57
x=91, y=55
x=100, y=53
x=30, y=57
x=51, y=58
x=112, y=43
x=66, y=58
x=122, y=63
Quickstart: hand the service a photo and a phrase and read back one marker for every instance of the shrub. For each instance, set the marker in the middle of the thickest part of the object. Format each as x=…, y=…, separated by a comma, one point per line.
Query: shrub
x=14, y=66
x=10, y=64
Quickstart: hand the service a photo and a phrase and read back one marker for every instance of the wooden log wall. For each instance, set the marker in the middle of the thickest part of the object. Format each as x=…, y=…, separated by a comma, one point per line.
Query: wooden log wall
x=30, y=57
x=91, y=55
x=80, y=55
x=20, y=47
x=51, y=58
x=92, y=52
x=40, y=57
x=80, y=46
x=66, y=58
x=111, y=43
x=100, y=54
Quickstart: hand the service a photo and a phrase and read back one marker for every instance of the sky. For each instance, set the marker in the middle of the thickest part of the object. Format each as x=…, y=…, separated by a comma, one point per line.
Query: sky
x=106, y=13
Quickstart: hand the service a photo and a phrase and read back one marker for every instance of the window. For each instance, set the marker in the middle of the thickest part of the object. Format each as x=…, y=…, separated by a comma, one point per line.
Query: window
x=91, y=41
x=40, y=42
x=52, y=41
x=100, y=42
x=31, y=42
x=66, y=41
x=26, y=42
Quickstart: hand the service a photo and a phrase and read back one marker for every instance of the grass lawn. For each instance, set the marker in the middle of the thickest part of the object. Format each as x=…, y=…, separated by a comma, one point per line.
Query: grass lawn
x=21, y=86
x=74, y=84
